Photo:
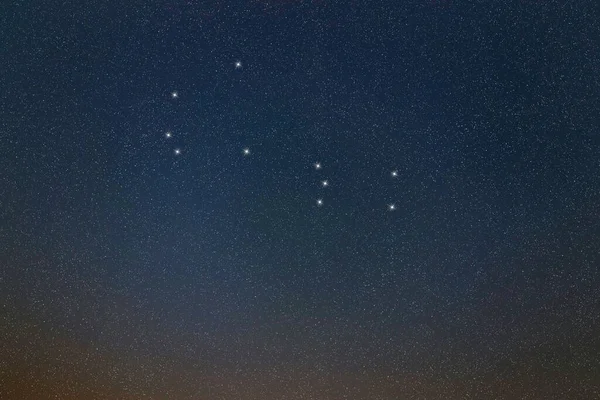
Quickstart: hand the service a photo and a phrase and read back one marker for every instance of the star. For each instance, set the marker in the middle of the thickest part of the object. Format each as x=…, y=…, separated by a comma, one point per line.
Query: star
x=319, y=202
x=318, y=165
x=325, y=183
x=246, y=151
x=177, y=152
x=392, y=207
x=394, y=174
x=168, y=135
x=238, y=64
x=174, y=95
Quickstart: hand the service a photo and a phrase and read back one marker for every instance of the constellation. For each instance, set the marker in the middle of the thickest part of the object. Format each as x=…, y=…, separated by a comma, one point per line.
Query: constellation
x=318, y=166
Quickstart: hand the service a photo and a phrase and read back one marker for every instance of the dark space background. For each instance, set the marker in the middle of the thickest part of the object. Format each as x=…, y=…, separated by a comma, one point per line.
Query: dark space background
x=130, y=272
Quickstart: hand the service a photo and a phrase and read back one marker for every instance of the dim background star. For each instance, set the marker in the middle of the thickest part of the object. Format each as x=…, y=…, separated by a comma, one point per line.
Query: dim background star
x=128, y=271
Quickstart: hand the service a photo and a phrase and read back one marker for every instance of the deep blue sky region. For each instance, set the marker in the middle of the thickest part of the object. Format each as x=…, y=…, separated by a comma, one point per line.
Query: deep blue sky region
x=300, y=200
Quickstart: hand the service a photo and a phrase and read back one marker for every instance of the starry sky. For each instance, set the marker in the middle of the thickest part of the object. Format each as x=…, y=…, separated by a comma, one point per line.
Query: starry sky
x=285, y=199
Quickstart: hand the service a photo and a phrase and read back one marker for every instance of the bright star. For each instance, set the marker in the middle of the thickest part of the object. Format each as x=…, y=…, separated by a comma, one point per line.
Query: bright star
x=317, y=165
x=246, y=151
x=177, y=152
x=325, y=183
x=238, y=64
x=319, y=202
x=174, y=95
x=168, y=135
x=394, y=174
x=392, y=207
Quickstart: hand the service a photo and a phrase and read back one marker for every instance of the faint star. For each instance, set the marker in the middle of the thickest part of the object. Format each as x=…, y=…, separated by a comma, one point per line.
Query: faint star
x=238, y=64
x=392, y=207
x=325, y=183
x=174, y=95
x=246, y=151
x=177, y=152
x=318, y=165
x=319, y=202
x=168, y=135
x=394, y=174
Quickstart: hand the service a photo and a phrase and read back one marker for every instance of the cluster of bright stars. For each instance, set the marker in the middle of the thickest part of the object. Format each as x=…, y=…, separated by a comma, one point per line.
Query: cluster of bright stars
x=246, y=152
x=177, y=150
x=392, y=206
x=175, y=95
x=325, y=183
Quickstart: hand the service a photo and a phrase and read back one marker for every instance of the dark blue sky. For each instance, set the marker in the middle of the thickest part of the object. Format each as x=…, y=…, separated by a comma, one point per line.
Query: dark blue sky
x=129, y=271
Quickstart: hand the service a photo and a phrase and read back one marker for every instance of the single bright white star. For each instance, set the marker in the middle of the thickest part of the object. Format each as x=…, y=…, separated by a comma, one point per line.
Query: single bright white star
x=318, y=165
x=177, y=152
x=246, y=151
x=392, y=207
x=325, y=183
x=394, y=174
x=168, y=135
x=319, y=202
x=174, y=95
x=238, y=64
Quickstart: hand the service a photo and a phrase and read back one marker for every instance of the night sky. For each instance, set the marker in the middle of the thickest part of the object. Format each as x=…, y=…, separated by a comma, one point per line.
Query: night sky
x=300, y=200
